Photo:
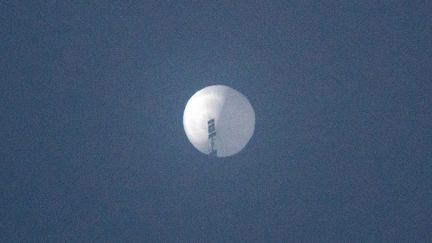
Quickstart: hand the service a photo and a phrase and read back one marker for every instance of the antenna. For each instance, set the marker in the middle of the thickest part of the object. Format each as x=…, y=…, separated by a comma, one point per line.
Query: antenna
x=212, y=136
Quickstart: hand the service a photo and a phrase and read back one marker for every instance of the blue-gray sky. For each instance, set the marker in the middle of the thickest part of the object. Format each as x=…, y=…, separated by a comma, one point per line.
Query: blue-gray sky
x=92, y=144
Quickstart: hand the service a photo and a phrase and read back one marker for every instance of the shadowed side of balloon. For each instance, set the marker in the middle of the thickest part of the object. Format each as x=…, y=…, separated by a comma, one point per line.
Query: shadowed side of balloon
x=241, y=117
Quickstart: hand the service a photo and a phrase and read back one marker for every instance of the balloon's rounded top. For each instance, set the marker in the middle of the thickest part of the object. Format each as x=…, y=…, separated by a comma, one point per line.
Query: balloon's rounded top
x=219, y=120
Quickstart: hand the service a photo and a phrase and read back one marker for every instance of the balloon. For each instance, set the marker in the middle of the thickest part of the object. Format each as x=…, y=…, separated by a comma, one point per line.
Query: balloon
x=219, y=120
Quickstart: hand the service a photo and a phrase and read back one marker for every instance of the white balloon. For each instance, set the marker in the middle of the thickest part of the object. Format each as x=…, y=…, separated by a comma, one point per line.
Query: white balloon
x=219, y=120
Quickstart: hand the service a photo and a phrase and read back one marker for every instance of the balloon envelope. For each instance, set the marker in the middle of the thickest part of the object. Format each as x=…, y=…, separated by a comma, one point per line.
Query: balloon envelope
x=219, y=120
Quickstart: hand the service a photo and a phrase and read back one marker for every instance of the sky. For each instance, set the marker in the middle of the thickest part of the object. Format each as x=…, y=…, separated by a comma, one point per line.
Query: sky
x=92, y=146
